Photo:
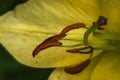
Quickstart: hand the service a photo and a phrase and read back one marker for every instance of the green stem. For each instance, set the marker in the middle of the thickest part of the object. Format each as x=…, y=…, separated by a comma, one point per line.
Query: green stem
x=89, y=31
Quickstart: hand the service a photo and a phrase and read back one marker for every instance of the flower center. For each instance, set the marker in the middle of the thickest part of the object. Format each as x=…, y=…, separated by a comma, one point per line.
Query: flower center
x=87, y=49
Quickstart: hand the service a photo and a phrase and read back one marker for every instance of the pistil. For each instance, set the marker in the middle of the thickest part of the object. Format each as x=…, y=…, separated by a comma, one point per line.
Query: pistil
x=96, y=25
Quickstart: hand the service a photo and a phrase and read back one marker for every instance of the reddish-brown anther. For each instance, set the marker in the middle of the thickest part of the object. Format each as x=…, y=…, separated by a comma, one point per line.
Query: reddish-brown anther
x=55, y=38
x=51, y=41
x=101, y=27
x=78, y=68
x=73, y=26
x=44, y=46
x=83, y=50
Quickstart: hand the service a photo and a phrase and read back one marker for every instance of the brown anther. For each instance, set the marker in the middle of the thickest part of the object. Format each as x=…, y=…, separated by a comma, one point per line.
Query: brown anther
x=50, y=42
x=101, y=27
x=83, y=50
x=55, y=38
x=44, y=46
x=73, y=26
x=78, y=68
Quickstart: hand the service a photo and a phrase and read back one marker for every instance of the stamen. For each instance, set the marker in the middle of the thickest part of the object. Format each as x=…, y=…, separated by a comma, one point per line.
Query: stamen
x=44, y=46
x=51, y=41
x=101, y=27
x=73, y=26
x=55, y=38
x=78, y=68
x=84, y=50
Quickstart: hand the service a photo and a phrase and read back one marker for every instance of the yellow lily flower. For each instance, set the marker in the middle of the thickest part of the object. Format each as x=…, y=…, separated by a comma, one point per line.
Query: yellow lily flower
x=41, y=21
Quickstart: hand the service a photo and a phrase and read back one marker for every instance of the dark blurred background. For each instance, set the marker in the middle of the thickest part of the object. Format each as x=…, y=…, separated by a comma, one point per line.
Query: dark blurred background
x=6, y=5
x=10, y=69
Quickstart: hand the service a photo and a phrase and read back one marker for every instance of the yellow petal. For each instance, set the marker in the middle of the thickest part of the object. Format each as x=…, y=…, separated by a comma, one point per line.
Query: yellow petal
x=56, y=14
x=21, y=39
x=60, y=74
x=108, y=68
x=29, y=24
x=111, y=10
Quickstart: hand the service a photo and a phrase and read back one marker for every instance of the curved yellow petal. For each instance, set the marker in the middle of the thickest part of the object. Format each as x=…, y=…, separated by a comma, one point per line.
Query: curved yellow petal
x=111, y=10
x=108, y=68
x=60, y=74
x=31, y=23
x=21, y=39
